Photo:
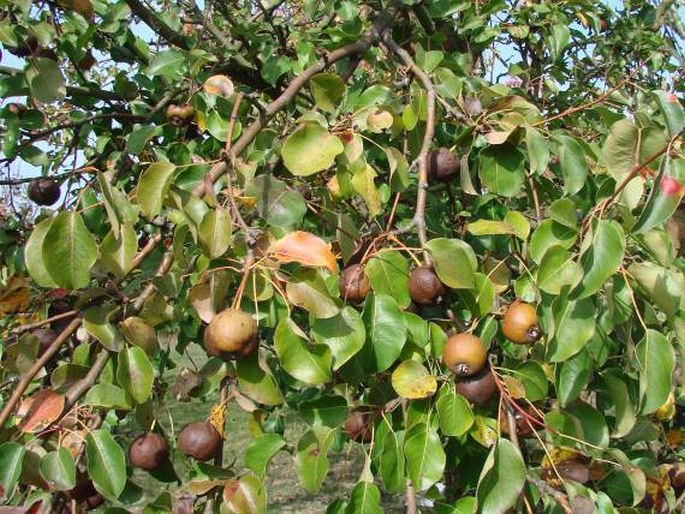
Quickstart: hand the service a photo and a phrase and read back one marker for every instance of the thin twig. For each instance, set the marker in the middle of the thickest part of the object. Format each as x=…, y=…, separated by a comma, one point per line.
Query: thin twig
x=43, y=322
x=163, y=269
x=35, y=369
x=420, y=210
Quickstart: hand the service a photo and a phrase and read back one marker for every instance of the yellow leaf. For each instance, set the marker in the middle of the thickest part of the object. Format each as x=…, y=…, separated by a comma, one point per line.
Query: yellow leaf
x=303, y=248
x=15, y=297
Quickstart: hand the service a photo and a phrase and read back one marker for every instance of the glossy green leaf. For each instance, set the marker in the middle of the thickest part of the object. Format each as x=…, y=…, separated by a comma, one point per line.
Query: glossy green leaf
x=153, y=187
x=106, y=463
x=256, y=381
x=33, y=255
x=538, y=151
x=261, y=451
x=96, y=321
x=573, y=165
x=327, y=90
x=11, y=462
x=311, y=459
x=249, y=497
x=549, y=233
x=386, y=332
x=45, y=79
x=344, y=334
x=501, y=169
x=329, y=410
x=310, y=149
x=557, y=270
x=107, y=396
x=391, y=461
x=574, y=325
x=69, y=251
x=306, y=361
x=388, y=273
x=502, y=478
x=655, y=362
x=573, y=376
x=662, y=286
x=624, y=411
x=425, y=456
x=167, y=62
x=363, y=182
x=534, y=380
x=672, y=110
x=135, y=373
x=118, y=250
x=564, y=211
x=454, y=412
x=59, y=470
x=215, y=232
x=454, y=261
x=603, y=256
x=364, y=499
x=307, y=289
x=659, y=206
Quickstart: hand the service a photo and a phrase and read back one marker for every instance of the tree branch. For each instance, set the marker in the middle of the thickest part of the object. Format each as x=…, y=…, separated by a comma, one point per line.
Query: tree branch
x=167, y=33
x=37, y=366
x=420, y=211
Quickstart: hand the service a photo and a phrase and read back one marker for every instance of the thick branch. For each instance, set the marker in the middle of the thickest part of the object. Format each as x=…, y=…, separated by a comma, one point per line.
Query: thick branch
x=419, y=213
x=37, y=366
x=286, y=97
x=168, y=34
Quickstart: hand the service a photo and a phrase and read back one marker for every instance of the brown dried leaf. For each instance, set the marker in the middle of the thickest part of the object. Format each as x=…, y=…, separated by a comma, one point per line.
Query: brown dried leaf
x=15, y=297
x=304, y=248
x=40, y=410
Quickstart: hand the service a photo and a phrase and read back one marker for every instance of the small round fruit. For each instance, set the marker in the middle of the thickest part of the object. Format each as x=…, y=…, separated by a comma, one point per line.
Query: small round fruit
x=524, y=426
x=425, y=286
x=677, y=477
x=180, y=115
x=199, y=440
x=358, y=425
x=670, y=186
x=231, y=334
x=464, y=354
x=219, y=85
x=354, y=286
x=43, y=191
x=479, y=388
x=442, y=164
x=148, y=451
x=520, y=324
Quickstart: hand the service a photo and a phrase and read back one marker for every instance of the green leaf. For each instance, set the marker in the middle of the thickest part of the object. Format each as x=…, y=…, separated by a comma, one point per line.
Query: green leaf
x=306, y=289
x=572, y=162
x=391, y=461
x=256, y=381
x=248, y=498
x=663, y=286
x=538, y=151
x=140, y=136
x=455, y=262
x=454, y=412
x=655, y=362
x=534, y=380
x=107, y=396
x=215, y=232
x=574, y=326
x=550, y=233
x=399, y=169
x=279, y=206
x=311, y=459
x=106, y=463
x=603, y=256
x=673, y=112
x=501, y=169
x=388, y=273
x=659, y=206
x=33, y=255
x=327, y=89
x=96, y=321
x=330, y=411
x=425, y=456
x=592, y=423
x=624, y=412
x=563, y=211
x=153, y=187
x=310, y=149
x=559, y=39
x=344, y=334
x=502, y=479
x=558, y=270
x=307, y=362
x=135, y=373
x=363, y=183
x=11, y=462
x=364, y=499
x=58, y=470
x=69, y=251
x=261, y=451
x=45, y=79
x=118, y=250
x=386, y=332
x=412, y=381
x=167, y=63
x=573, y=376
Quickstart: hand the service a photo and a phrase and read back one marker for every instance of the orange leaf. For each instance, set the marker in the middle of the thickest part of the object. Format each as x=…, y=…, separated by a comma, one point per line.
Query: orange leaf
x=40, y=410
x=14, y=297
x=304, y=248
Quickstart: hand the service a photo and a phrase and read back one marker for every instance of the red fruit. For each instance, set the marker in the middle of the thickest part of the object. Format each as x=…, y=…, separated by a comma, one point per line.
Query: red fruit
x=670, y=186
